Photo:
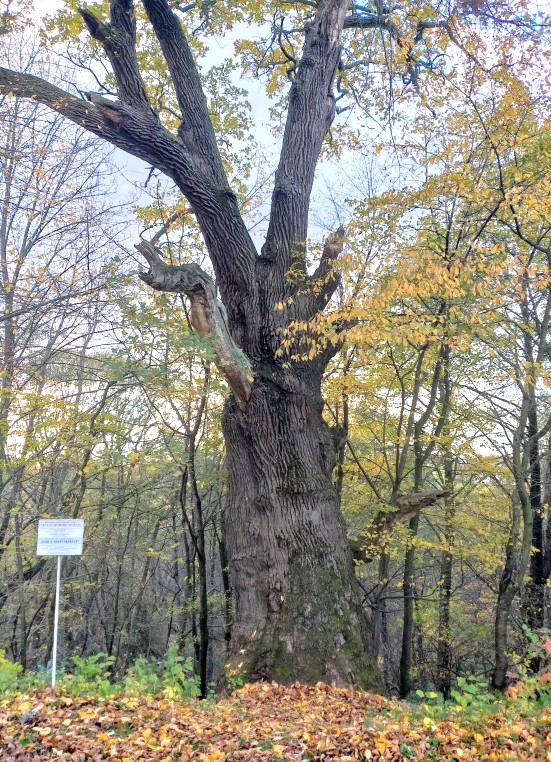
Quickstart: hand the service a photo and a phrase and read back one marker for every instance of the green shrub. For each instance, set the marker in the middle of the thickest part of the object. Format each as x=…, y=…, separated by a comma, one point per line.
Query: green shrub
x=90, y=675
x=10, y=674
x=142, y=677
x=178, y=677
x=173, y=676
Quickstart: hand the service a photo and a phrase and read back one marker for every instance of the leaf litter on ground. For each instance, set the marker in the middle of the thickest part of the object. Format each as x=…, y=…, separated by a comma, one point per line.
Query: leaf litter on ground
x=264, y=721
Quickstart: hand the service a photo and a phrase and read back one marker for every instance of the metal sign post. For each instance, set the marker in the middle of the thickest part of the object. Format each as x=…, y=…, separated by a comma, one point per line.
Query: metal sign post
x=56, y=620
x=59, y=537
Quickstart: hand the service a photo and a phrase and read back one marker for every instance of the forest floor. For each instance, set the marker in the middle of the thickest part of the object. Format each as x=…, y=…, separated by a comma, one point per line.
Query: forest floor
x=269, y=722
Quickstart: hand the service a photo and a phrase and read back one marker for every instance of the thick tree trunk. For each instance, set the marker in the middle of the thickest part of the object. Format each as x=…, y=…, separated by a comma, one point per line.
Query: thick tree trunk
x=297, y=606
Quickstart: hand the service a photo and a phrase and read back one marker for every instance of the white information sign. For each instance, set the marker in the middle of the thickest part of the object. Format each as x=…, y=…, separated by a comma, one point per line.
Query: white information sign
x=60, y=537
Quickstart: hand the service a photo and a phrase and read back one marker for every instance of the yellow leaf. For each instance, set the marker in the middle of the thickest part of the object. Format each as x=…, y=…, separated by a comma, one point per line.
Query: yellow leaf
x=24, y=706
x=278, y=748
x=44, y=731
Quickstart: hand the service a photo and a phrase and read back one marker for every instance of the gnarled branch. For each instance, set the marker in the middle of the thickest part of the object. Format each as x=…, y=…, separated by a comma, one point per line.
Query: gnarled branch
x=208, y=316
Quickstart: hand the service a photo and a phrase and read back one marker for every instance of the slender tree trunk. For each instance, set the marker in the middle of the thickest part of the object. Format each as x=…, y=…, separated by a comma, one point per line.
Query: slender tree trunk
x=302, y=616
x=380, y=605
x=517, y=557
x=534, y=592
x=228, y=613
x=122, y=550
x=506, y=594
x=188, y=617
x=406, y=658
x=444, y=649
x=519, y=547
x=202, y=636
x=547, y=505
x=381, y=624
x=22, y=603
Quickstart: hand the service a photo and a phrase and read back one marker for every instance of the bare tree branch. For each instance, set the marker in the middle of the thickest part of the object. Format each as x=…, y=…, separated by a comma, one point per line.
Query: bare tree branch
x=141, y=134
x=325, y=280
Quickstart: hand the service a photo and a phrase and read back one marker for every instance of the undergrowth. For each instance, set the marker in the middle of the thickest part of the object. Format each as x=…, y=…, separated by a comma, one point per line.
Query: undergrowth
x=93, y=676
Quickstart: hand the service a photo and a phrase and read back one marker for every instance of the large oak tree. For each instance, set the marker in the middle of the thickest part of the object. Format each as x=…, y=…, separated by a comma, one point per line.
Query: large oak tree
x=297, y=606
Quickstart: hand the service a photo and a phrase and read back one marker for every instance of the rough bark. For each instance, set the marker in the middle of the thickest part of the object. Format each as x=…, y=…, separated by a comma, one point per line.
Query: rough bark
x=297, y=606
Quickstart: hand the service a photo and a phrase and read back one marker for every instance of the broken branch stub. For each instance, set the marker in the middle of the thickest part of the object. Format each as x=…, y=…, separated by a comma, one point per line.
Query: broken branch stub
x=404, y=507
x=208, y=315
